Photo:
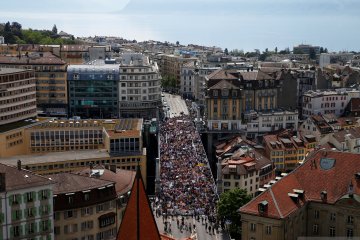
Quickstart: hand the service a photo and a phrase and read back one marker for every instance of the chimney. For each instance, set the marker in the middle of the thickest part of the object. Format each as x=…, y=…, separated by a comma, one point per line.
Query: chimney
x=323, y=196
x=2, y=182
x=351, y=190
x=19, y=165
x=113, y=168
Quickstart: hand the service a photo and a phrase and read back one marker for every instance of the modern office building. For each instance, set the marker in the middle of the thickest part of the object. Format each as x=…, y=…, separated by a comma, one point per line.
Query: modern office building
x=17, y=95
x=84, y=207
x=139, y=86
x=50, y=74
x=319, y=199
x=55, y=146
x=26, y=204
x=93, y=90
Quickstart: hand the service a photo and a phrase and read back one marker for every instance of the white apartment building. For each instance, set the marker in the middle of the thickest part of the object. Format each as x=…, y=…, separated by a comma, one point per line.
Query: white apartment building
x=259, y=123
x=328, y=101
x=192, y=80
x=26, y=204
x=139, y=86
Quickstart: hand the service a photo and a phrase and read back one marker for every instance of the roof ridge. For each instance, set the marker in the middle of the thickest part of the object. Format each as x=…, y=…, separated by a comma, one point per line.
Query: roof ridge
x=275, y=202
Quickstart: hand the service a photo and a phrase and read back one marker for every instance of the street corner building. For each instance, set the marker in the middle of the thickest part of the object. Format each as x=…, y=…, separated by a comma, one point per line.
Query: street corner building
x=320, y=198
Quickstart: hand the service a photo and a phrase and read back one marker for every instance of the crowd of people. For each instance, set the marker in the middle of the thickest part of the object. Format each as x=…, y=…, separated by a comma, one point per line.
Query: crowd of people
x=187, y=184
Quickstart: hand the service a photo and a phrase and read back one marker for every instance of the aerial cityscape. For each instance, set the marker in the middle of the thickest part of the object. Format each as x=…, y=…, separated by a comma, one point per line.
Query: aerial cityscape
x=116, y=122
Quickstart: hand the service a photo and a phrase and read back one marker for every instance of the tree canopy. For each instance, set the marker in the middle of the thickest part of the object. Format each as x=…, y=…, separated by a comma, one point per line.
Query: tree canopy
x=14, y=34
x=228, y=207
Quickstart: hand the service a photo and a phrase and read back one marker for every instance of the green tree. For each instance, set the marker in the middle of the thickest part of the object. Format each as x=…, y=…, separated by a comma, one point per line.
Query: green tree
x=312, y=54
x=54, y=30
x=177, y=43
x=321, y=49
x=228, y=206
x=276, y=50
x=226, y=51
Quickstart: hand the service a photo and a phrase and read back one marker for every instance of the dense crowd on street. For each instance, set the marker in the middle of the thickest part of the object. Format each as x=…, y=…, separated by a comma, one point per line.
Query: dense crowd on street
x=187, y=184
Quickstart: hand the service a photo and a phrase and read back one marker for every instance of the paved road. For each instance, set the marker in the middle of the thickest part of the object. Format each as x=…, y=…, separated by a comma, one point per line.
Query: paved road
x=176, y=104
x=201, y=231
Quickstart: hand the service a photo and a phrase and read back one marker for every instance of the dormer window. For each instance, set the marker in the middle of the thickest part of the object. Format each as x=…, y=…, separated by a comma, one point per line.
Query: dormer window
x=225, y=92
x=262, y=206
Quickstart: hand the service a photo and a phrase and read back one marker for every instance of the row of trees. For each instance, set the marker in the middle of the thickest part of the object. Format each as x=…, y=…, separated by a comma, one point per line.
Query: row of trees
x=262, y=56
x=14, y=34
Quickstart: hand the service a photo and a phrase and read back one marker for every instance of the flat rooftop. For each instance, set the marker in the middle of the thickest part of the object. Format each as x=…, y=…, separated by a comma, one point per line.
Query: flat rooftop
x=19, y=124
x=59, y=157
x=11, y=70
x=55, y=157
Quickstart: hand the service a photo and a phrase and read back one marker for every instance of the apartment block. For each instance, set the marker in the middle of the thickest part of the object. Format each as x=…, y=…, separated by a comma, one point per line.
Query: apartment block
x=287, y=151
x=17, y=95
x=84, y=207
x=297, y=207
x=327, y=101
x=260, y=123
x=26, y=204
x=246, y=169
x=139, y=86
x=50, y=74
x=250, y=90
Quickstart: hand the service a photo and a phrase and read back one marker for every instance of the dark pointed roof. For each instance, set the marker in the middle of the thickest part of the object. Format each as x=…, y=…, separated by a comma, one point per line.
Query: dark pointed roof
x=138, y=222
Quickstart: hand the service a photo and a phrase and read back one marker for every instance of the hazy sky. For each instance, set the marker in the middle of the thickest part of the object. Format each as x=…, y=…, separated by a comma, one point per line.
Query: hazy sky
x=242, y=24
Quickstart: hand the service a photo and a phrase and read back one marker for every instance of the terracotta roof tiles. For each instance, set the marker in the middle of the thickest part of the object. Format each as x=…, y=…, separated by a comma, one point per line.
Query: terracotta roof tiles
x=312, y=177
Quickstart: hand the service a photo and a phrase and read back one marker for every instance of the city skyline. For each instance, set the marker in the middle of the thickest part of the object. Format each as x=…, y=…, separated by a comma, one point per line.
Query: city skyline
x=246, y=25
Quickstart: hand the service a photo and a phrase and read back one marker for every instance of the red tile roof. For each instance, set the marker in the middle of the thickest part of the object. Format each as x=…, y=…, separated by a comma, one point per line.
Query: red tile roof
x=313, y=179
x=138, y=222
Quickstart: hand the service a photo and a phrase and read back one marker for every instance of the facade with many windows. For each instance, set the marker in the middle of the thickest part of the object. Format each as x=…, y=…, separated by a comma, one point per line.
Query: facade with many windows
x=26, y=204
x=297, y=207
x=139, y=86
x=51, y=82
x=84, y=207
x=17, y=95
x=287, y=151
x=93, y=90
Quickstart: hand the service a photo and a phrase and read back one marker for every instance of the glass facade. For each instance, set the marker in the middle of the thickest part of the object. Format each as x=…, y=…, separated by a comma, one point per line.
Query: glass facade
x=93, y=91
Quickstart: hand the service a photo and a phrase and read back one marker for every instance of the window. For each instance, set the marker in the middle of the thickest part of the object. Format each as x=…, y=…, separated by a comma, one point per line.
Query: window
x=316, y=214
x=315, y=229
x=350, y=232
x=30, y=196
x=226, y=184
x=16, y=231
x=87, y=196
x=268, y=230
x=44, y=194
x=57, y=230
x=252, y=227
x=68, y=214
x=332, y=232
x=332, y=216
x=31, y=228
x=350, y=220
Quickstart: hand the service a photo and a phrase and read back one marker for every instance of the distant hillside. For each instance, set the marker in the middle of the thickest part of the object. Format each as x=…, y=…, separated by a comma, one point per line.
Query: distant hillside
x=13, y=33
